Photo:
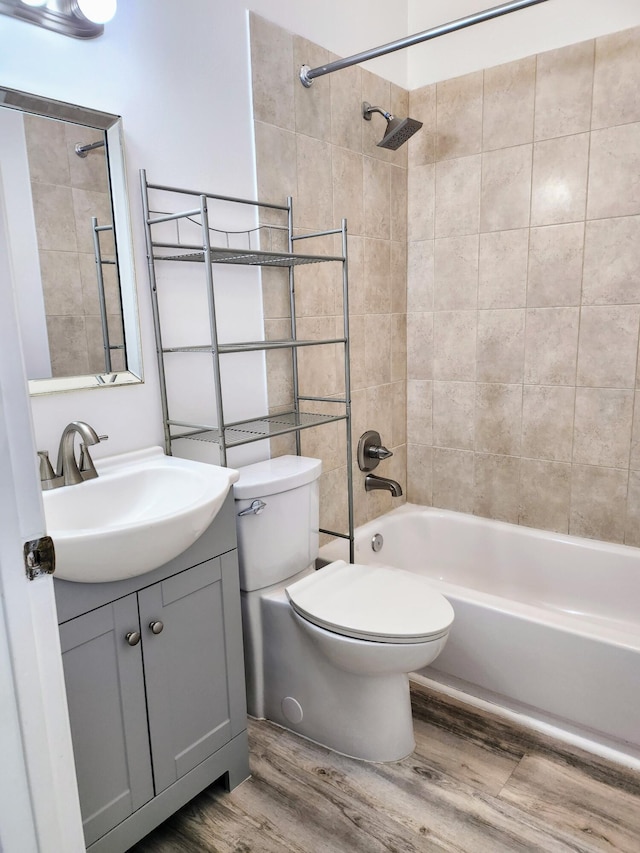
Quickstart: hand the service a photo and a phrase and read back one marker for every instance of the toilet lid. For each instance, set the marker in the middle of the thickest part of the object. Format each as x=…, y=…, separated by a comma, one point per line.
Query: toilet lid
x=376, y=603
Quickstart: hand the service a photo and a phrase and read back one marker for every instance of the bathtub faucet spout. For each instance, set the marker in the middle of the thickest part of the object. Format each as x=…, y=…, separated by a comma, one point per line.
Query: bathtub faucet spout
x=371, y=482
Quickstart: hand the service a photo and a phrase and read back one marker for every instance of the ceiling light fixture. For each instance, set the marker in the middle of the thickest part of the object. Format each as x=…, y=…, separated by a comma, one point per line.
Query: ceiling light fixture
x=82, y=19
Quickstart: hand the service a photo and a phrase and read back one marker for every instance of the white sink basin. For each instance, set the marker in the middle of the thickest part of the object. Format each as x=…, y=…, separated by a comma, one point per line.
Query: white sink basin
x=143, y=510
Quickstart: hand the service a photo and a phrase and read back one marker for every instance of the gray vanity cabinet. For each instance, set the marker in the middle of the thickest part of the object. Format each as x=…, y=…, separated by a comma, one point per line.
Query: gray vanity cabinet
x=155, y=687
x=106, y=699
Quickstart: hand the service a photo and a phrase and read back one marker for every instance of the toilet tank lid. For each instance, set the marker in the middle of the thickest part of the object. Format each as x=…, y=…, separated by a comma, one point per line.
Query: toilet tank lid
x=275, y=475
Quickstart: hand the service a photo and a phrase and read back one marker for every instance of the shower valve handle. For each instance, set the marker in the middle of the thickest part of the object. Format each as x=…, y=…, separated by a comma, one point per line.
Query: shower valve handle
x=378, y=452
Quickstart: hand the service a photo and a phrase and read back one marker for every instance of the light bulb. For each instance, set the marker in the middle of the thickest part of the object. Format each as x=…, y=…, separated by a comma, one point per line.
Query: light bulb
x=97, y=11
x=34, y=2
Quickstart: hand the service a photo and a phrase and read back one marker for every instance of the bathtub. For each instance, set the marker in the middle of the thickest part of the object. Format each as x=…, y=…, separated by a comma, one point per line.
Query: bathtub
x=547, y=626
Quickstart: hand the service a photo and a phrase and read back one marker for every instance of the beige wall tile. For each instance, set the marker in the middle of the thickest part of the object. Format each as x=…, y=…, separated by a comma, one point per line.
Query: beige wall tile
x=314, y=206
x=551, y=346
x=275, y=163
x=500, y=346
x=555, y=265
x=54, y=216
x=397, y=470
x=454, y=346
x=602, y=431
x=457, y=194
x=614, y=172
x=333, y=500
x=420, y=275
x=632, y=527
x=95, y=343
x=399, y=106
x=616, y=84
x=498, y=419
x=62, y=283
x=377, y=198
x=347, y=189
x=545, y=495
x=398, y=277
x=506, y=188
x=456, y=273
x=634, y=461
x=496, y=486
x=419, y=474
x=421, y=203
x=317, y=366
x=398, y=347
x=547, y=422
x=357, y=352
x=399, y=198
x=459, y=116
x=564, y=83
x=68, y=345
x=86, y=264
x=47, y=150
x=503, y=269
x=598, y=502
x=422, y=107
x=312, y=106
x=87, y=204
x=454, y=414
x=420, y=345
x=453, y=479
x=419, y=412
x=608, y=345
x=399, y=414
x=355, y=254
x=612, y=261
x=377, y=348
x=380, y=411
x=559, y=182
x=508, y=104
x=271, y=73
x=279, y=370
x=346, y=108
x=377, y=276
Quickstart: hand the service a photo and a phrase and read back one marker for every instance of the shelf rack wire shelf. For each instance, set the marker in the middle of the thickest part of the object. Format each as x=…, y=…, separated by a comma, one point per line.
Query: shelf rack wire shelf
x=231, y=434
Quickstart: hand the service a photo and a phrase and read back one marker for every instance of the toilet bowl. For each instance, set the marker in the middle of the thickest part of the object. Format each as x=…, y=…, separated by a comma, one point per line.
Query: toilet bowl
x=327, y=652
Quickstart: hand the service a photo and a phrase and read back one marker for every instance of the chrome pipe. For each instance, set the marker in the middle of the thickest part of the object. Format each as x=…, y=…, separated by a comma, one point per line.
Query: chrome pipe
x=102, y=302
x=308, y=75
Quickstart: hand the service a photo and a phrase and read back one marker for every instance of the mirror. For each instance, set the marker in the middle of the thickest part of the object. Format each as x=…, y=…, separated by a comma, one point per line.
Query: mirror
x=63, y=187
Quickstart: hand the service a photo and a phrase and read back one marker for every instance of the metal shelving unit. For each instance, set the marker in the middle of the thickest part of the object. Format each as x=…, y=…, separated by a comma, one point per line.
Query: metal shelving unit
x=227, y=434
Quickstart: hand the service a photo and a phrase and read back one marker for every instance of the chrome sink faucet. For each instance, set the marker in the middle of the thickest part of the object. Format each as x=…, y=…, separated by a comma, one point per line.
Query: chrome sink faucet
x=69, y=472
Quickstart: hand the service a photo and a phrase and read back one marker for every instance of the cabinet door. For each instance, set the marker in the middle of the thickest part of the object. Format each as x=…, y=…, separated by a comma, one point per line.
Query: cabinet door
x=192, y=667
x=105, y=694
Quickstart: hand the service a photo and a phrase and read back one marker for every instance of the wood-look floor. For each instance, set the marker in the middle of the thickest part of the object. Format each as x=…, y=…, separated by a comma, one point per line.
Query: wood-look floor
x=474, y=784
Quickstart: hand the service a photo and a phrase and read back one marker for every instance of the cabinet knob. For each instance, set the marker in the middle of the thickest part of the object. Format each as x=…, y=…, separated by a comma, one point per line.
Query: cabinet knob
x=156, y=627
x=133, y=638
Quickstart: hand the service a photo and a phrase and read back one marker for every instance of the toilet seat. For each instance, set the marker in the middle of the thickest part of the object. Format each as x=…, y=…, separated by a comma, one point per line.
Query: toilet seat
x=375, y=603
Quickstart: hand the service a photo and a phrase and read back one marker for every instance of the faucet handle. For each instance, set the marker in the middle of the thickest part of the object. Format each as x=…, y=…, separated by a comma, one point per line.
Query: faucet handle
x=48, y=478
x=378, y=452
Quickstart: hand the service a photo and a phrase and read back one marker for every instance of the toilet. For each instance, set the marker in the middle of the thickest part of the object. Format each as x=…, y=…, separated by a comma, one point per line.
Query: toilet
x=327, y=652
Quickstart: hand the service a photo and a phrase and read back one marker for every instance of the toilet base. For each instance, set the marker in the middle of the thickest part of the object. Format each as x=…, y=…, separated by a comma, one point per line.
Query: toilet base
x=362, y=716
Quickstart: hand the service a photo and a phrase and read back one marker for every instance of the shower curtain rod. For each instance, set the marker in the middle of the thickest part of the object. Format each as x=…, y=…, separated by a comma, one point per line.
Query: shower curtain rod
x=307, y=75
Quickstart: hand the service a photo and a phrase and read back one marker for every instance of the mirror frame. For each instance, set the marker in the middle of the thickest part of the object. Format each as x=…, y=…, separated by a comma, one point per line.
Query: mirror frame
x=112, y=125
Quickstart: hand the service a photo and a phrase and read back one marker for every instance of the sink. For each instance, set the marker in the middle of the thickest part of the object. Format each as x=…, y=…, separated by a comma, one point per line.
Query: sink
x=143, y=510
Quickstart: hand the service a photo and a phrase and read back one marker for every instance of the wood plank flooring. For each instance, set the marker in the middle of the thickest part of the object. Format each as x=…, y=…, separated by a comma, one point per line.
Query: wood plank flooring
x=475, y=784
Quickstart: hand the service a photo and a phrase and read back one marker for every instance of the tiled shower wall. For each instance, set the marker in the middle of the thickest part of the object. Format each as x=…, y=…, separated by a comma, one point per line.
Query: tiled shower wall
x=313, y=145
x=524, y=292
x=67, y=191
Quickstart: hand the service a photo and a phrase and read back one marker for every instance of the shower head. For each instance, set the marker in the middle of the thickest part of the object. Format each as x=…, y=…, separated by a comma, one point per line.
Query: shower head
x=398, y=129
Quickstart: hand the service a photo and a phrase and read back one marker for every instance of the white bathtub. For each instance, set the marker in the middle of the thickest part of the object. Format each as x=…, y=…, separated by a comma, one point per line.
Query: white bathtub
x=546, y=625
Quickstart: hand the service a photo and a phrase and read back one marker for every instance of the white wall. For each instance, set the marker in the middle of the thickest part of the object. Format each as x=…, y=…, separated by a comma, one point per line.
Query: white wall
x=546, y=26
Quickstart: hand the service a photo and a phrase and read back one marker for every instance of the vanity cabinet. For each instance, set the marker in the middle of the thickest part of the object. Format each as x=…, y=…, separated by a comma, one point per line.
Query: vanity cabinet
x=155, y=686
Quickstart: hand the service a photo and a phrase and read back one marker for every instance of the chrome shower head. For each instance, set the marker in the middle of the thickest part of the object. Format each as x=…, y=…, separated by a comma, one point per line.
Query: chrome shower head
x=398, y=129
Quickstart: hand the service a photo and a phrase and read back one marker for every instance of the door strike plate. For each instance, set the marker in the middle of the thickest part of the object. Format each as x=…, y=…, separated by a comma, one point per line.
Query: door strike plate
x=39, y=557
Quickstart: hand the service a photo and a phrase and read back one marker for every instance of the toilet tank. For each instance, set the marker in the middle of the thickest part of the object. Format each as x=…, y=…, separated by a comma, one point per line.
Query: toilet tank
x=283, y=538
